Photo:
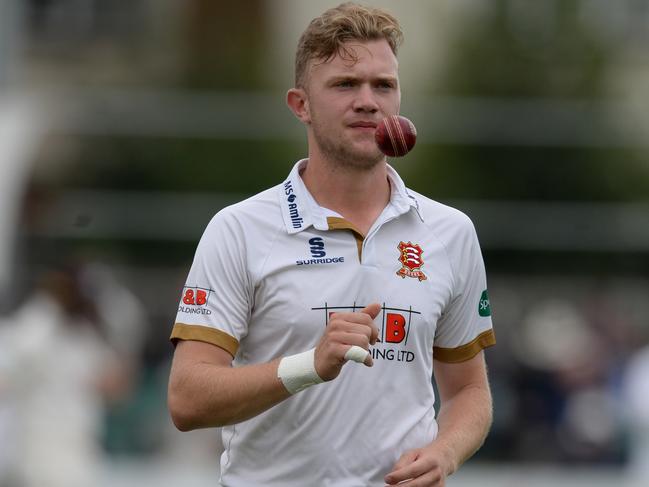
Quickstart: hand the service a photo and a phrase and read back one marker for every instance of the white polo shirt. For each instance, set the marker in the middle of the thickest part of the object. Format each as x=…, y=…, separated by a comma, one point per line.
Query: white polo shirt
x=267, y=273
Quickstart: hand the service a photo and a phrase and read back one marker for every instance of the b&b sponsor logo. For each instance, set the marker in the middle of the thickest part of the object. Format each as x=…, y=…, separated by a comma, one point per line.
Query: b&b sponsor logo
x=319, y=254
x=194, y=300
x=394, y=330
x=296, y=219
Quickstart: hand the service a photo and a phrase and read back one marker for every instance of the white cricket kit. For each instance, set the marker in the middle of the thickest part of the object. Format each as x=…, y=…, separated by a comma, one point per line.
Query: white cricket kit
x=267, y=274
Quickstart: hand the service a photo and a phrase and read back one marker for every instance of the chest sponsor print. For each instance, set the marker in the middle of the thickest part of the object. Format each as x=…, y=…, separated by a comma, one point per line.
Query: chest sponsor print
x=394, y=325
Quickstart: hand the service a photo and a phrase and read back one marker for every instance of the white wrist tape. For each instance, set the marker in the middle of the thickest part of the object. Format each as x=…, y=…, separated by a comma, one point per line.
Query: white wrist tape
x=357, y=354
x=297, y=372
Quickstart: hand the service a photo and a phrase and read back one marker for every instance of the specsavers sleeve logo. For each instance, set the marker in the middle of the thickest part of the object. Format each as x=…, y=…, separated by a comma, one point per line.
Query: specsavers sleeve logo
x=411, y=261
x=484, y=306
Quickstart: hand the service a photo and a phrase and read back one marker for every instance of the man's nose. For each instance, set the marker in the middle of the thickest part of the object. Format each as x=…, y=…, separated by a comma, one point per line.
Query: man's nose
x=365, y=100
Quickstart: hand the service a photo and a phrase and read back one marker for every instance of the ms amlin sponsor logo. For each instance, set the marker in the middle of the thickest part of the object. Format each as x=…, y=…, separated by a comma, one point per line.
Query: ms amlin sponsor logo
x=296, y=219
x=318, y=252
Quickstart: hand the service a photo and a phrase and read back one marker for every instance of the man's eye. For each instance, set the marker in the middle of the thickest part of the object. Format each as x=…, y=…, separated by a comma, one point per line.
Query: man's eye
x=345, y=84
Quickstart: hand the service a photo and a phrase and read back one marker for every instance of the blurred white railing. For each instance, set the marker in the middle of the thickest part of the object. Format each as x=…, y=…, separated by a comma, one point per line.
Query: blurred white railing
x=124, y=215
x=262, y=115
x=169, y=474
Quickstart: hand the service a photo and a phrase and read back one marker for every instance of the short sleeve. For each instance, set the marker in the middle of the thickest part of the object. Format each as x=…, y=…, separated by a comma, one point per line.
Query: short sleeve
x=465, y=327
x=216, y=299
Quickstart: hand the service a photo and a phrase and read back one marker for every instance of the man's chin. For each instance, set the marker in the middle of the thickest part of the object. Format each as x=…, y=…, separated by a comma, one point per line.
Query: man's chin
x=365, y=153
x=364, y=161
x=361, y=156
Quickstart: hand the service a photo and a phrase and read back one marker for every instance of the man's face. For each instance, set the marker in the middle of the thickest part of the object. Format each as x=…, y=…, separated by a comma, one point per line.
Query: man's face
x=347, y=99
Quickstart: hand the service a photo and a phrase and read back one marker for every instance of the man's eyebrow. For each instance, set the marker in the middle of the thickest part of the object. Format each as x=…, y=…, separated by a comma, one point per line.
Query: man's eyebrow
x=350, y=77
x=391, y=79
x=342, y=77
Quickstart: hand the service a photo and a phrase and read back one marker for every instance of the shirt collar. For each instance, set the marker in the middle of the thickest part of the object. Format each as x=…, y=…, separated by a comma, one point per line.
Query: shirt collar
x=401, y=198
x=300, y=210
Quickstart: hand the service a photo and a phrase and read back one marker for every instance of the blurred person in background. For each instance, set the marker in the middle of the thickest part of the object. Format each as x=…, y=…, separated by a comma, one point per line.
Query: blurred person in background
x=56, y=372
x=636, y=402
x=566, y=388
x=298, y=267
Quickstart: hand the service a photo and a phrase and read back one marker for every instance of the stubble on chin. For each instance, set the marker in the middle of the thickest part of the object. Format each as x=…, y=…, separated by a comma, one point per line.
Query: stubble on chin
x=342, y=155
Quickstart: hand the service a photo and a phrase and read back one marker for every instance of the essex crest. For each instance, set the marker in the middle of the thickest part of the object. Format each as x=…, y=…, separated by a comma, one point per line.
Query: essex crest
x=411, y=261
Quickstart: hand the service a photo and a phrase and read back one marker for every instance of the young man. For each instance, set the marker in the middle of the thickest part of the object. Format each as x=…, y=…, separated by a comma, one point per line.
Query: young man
x=339, y=263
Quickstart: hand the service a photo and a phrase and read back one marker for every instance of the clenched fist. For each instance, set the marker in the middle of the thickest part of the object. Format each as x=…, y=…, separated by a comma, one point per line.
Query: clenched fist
x=344, y=331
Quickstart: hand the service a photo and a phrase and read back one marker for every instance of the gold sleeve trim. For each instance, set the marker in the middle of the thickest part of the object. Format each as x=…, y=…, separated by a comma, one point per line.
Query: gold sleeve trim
x=465, y=352
x=181, y=331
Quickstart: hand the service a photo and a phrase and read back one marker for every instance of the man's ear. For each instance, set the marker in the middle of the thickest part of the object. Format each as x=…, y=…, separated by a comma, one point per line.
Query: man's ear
x=298, y=102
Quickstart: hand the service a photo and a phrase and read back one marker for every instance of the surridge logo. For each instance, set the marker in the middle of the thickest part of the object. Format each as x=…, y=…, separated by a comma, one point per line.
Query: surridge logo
x=317, y=247
x=195, y=300
x=411, y=261
x=318, y=252
x=293, y=211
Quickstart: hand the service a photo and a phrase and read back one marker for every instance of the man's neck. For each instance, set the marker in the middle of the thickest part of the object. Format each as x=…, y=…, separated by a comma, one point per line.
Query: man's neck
x=359, y=195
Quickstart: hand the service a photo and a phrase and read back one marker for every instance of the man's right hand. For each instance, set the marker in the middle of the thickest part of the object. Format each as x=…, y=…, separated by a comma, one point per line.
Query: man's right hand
x=343, y=331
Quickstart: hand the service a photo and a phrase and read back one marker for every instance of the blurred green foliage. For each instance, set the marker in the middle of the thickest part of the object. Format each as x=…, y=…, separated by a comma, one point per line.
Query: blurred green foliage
x=193, y=165
x=528, y=56
x=549, y=58
x=223, y=45
x=531, y=173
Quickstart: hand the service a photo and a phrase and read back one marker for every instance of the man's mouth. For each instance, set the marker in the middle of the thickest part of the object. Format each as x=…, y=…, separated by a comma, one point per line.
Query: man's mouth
x=363, y=125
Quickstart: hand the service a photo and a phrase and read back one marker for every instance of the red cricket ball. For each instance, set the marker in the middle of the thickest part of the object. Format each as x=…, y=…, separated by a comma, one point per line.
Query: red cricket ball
x=395, y=135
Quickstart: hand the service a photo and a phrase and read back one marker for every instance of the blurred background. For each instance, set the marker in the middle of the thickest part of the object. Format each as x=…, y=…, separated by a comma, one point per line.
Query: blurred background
x=125, y=125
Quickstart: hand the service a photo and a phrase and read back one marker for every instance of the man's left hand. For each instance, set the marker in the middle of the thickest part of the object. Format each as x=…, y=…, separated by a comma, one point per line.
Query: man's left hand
x=421, y=467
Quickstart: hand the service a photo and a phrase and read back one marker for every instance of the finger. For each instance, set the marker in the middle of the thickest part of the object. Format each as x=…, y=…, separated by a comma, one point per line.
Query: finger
x=427, y=479
x=407, y=467
x=415, y=474
x=361, y=316
x=359, y=355
x=369, y=362
x=406, y=459
x=373, y=311
x=357, y=340
x=351, y=334
x=364, y=317
x=346, y=336
x=356, y=317
x=353, y=338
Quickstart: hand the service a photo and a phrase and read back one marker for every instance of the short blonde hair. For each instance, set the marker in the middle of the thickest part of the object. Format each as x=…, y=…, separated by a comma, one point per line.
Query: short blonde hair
x=325, y=35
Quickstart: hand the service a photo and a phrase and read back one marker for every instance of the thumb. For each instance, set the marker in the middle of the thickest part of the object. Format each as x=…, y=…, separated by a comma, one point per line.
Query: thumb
x=372, y=310
x=406, y=459
x=396, y=476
